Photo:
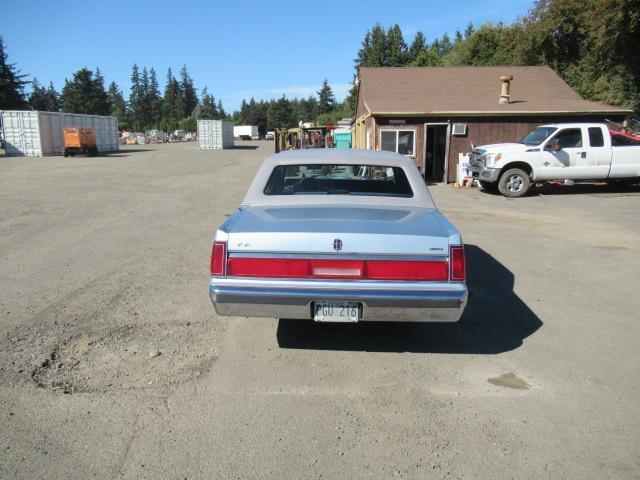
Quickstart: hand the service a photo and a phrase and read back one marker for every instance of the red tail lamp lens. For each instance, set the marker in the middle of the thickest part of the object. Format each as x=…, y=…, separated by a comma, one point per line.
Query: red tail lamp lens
x=390, y=270
x=458, y=268
x=219, y=259
x=268, y=267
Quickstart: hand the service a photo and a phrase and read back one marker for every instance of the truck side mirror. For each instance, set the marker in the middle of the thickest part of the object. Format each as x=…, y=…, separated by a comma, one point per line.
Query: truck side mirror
x=557, y=147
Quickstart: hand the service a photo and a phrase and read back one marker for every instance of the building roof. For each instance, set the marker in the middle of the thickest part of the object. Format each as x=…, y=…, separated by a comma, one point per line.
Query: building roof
x=470, y=91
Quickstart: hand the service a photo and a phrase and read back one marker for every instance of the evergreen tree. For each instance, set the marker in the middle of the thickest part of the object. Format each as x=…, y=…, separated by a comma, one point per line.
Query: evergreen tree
x=222, y=115
x=279, y=114
x=118, y=107
x=12, y=83
x=136, y=99
x=418, y=45
x=188, y=92
x=326, y=98
x=85, y=94
x=172, y=101
x=154, y=99
x=469, y=30
x=351, y=100
x=396, y=48
x=38, y=96
x=53, y=99
x=256, y=114
x=208, y=108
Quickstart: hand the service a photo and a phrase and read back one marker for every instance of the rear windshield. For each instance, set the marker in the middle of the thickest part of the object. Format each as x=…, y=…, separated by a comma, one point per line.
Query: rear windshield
x=375, y=180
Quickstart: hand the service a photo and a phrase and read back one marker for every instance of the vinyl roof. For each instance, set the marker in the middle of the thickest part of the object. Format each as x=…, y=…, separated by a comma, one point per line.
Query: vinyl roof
x=314, y=156
x=470, y=90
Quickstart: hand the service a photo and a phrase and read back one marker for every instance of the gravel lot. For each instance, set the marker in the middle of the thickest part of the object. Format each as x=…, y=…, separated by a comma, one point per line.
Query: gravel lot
x=113, y=363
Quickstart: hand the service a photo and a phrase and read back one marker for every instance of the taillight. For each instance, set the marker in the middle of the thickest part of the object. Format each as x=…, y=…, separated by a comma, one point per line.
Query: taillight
x=219, y=259
x=456, y=260
x=406, y=270
x=268, y=267
x=337, y=269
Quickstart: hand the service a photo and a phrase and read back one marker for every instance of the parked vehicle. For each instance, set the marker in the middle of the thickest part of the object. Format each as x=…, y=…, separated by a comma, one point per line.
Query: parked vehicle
x=245, y=132
x=270, y=135
x=338, y=236
x=79, y=141
x=562, y=151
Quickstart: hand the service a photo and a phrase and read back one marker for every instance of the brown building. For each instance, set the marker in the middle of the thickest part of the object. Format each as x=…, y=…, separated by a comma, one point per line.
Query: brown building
x=435, y=113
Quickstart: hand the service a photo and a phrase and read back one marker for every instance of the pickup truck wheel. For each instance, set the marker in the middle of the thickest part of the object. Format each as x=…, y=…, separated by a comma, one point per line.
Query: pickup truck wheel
x=489, y=186
x=514, y=183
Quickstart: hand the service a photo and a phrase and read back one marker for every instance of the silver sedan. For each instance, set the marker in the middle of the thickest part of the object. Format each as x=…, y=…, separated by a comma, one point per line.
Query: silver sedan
x=338, y=236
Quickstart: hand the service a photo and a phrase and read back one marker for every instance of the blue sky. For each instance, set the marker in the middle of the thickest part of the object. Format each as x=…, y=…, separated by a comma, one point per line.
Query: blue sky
x=237, y=49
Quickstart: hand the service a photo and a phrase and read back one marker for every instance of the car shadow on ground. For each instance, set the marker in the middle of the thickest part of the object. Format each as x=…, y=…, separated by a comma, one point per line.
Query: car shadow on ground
x=495, y=320
x=246, y=147
x=125, y=152
x=577, y=189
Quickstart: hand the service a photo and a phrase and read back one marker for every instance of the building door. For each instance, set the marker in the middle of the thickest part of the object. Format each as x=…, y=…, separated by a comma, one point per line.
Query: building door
x=435, y=152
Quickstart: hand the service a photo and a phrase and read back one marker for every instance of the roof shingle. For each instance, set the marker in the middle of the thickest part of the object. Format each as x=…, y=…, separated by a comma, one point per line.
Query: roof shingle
x=470, y=90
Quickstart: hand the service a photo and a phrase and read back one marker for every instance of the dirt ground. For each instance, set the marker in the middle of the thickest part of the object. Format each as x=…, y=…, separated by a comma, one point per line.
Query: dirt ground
x=113, y=363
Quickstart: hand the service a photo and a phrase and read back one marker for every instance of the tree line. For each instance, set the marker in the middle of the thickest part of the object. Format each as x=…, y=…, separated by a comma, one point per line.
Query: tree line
x=592, y=44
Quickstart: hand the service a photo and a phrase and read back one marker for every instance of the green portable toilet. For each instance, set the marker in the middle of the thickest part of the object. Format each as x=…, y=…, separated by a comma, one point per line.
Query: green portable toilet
x=342, y=138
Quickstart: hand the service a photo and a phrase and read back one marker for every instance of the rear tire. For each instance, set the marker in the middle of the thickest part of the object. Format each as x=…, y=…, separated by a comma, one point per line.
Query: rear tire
x=514, y=183
x=489, y=186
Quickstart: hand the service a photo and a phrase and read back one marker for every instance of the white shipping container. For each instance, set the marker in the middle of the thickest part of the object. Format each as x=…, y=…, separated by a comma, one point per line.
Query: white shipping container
x=37, y=134
x=245, y=132
x=215, y=134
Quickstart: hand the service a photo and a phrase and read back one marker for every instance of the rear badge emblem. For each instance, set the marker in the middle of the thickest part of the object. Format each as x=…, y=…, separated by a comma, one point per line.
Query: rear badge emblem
x=337, y=244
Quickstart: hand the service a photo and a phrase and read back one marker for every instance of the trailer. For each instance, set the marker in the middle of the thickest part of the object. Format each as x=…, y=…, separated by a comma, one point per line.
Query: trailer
x=40, y=134
x=246, y=132
x=215, y=134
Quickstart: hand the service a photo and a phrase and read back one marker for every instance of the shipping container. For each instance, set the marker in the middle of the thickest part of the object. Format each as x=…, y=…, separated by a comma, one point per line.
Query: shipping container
x=246, y=132
x=215, y=134
x=37, y=134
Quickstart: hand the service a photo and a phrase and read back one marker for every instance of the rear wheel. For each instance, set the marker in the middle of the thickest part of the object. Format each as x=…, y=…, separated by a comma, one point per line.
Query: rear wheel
x=514, y=183
x=489, y=186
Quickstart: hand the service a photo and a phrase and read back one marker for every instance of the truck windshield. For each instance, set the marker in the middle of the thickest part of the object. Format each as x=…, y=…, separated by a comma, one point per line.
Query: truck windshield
x=330, y=179
x=538, y=136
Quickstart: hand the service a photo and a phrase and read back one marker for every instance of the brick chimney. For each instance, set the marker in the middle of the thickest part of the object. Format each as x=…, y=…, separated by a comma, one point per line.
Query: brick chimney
x=506, y=88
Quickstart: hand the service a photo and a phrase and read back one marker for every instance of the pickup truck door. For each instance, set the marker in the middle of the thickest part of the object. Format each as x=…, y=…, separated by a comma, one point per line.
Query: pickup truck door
x=599, y=152
x=564, y=155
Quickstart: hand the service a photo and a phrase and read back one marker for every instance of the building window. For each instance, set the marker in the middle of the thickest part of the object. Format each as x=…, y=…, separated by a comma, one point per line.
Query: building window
x=398, y=141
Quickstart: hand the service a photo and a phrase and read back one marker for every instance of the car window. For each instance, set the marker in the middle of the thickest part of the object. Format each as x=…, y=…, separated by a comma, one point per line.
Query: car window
x=330, y=179
x=596, y=139
x=569, y=138
x=538, y=136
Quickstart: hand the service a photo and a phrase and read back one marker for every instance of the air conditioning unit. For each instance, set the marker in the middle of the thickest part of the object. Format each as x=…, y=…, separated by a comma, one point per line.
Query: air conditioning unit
x=459, y=129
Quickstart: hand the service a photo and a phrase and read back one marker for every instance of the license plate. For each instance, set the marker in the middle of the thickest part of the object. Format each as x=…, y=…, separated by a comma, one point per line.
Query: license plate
x=336, y=311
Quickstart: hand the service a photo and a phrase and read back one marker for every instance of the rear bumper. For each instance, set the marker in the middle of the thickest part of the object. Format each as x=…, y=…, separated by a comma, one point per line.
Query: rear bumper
x=381, y=301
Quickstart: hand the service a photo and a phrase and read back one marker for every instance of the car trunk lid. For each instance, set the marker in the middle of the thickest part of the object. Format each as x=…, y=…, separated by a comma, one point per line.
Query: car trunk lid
x=354, y=230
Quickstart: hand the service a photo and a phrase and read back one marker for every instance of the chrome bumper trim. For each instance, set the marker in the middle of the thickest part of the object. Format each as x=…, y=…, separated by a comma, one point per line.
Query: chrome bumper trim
x=442, y=305
x=485, y=174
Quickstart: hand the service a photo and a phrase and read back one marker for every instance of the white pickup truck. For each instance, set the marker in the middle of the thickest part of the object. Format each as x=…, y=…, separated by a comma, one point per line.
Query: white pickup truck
x=573, y=151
